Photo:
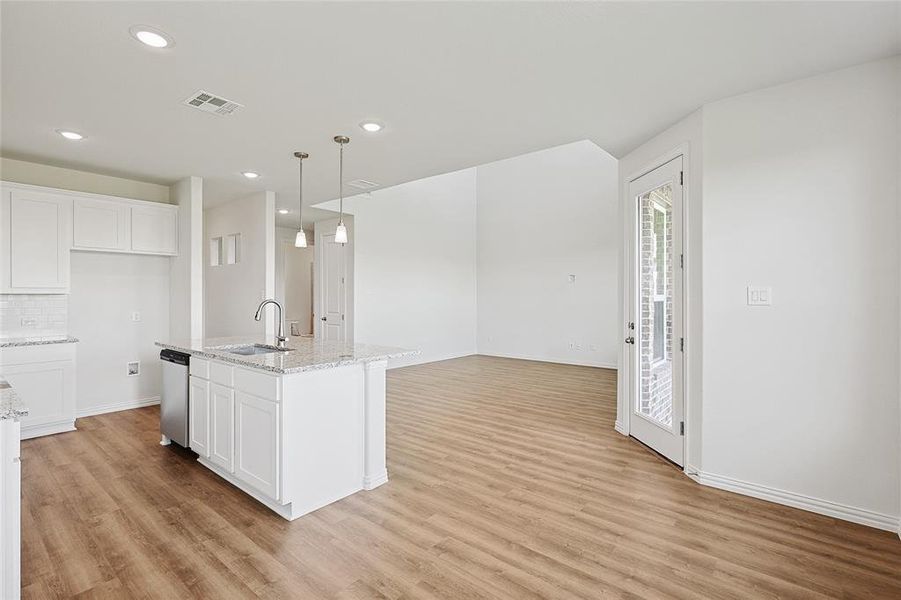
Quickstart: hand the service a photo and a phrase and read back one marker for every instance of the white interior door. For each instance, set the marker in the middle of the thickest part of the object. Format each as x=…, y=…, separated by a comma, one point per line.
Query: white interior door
x=655, y=338
x=333, y=300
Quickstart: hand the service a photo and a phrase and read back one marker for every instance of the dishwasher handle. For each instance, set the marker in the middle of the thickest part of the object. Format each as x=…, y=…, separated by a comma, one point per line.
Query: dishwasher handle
x=173, y=356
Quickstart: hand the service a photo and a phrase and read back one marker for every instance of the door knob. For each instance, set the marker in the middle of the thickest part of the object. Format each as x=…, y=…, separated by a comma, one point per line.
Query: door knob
x=322, y=318
x=630, y=340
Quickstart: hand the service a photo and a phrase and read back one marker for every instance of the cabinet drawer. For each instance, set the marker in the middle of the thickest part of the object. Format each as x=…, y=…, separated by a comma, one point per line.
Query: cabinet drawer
x=200, y=367
x=221, y=373
x=256, y=383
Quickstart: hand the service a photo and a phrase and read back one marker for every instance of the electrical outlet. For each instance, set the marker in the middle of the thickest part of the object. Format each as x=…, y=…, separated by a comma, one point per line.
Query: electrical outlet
x=572, y=345
x=760, y=296
x=134, y=368
x=136, y=316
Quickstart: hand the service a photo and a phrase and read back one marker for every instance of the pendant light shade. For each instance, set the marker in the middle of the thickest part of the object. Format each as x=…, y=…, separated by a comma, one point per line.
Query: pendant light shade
x=300, y=240
x=341, y=234
x=341, y=230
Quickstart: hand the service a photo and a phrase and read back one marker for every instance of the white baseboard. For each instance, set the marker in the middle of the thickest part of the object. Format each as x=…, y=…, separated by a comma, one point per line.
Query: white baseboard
x=32, y=431
x=577, y=363
x=117, y=406
x=618, y=426
x=795, y=500
x=412, y=361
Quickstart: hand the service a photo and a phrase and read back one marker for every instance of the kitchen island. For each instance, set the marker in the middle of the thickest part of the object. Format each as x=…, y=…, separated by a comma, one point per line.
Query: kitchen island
x=11, y=411
x=296, y=429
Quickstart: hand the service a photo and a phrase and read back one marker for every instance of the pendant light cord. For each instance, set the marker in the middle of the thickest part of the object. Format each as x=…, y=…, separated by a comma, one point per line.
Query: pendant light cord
x=340, y=184
x=300, y=197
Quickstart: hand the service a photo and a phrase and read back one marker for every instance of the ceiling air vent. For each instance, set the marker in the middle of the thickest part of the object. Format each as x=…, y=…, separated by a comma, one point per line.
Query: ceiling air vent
x=211, y=103
x=363, y=184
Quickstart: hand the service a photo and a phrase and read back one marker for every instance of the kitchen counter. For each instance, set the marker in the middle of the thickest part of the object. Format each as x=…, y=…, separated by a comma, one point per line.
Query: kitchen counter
x=295, y=429
x=36, y=341
x=304, y=354
x=11, y=406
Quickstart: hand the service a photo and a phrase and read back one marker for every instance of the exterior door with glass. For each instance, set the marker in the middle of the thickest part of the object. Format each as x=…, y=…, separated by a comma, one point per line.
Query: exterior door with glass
x=655, y=340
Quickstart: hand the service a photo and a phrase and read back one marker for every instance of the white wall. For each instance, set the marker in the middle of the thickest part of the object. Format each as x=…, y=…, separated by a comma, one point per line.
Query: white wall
x=293, y=278
x=543, y=217
x=106, y=290
x=233, y=292
x=801, y=194
x=415, y=267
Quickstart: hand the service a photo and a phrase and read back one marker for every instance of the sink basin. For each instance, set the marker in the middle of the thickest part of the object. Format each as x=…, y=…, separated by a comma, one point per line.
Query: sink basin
x=255, y=349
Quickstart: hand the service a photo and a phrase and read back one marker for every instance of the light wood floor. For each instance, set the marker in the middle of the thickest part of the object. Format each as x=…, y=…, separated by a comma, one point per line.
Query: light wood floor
x=507, y=481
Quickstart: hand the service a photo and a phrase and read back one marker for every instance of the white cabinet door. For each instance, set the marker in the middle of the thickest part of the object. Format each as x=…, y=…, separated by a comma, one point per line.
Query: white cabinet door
x=99, y=224
x=199, y=426
x=44, y=378
x=37, y=237
x=154, y=229
x=222, y=426
x=256, y=448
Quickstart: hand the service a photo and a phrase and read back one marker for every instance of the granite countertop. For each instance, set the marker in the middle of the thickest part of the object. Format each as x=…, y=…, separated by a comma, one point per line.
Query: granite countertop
x=304, y=354
x=36, y=341
x=11, y=406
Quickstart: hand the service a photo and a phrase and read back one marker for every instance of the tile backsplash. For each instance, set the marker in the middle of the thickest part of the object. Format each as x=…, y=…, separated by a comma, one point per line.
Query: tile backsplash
x=31, y=315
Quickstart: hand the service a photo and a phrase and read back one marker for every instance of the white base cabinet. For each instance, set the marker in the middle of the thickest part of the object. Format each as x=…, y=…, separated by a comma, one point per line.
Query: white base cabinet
x=294, y=442
x=10, y=508
x=44, y=378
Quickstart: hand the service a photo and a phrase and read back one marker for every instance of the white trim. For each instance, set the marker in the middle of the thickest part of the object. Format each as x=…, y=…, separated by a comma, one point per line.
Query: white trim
x=552, y=361
x=117, y=406
x=77, y=194
x=795, y=500
x=618, y=426
x=370, y=483
x=34, y=431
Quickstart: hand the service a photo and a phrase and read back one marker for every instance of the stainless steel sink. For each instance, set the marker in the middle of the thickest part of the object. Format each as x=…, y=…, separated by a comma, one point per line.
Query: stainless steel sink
x=255, y=349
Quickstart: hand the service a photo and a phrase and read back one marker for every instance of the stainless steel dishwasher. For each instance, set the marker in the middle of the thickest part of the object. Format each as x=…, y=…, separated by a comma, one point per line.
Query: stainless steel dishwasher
x=174, y=400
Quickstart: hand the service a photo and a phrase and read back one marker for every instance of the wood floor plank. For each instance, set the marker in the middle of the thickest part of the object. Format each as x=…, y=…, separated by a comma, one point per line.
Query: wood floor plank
x=507, y=481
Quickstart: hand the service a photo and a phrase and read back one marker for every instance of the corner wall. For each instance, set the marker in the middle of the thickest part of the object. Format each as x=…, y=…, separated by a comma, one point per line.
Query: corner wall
x=548, y=240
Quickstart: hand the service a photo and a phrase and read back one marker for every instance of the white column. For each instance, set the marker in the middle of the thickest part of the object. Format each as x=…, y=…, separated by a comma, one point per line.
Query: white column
x=375, y=471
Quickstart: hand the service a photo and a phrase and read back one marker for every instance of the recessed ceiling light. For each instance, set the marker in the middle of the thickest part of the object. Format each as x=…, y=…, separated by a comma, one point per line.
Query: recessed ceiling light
x=371, y=126
x=70, y=135
x=250, y=174
x=283, y=211
x=151, y=36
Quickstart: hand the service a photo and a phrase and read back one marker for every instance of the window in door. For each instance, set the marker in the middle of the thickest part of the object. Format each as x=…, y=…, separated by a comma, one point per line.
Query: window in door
x=656, y=318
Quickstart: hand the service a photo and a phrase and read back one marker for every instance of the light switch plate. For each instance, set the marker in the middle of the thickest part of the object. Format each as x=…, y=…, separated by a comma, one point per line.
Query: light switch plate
x=760, y=296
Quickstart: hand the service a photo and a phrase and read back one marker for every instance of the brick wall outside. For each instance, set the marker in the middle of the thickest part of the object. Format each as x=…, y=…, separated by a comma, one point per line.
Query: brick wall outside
x=655, y=381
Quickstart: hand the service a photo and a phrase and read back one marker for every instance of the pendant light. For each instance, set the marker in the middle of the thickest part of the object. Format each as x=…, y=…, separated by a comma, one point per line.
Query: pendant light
x=300, y=240
x=341, y=230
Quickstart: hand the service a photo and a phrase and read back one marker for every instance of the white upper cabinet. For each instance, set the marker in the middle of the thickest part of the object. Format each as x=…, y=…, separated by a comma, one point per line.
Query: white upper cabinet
x=35, y=237
x=154, y=229
x=125, y=226
x=100, y=225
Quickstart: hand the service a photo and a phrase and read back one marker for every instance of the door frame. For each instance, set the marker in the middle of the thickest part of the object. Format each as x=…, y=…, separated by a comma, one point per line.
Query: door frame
x=628, y=241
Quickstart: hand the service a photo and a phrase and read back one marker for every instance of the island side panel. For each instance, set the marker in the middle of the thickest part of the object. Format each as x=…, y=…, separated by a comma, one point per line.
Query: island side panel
x=375, y=470
x=322, y=433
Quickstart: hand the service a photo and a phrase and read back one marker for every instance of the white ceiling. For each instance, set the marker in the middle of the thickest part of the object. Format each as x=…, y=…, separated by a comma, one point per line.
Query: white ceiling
x=457, y=84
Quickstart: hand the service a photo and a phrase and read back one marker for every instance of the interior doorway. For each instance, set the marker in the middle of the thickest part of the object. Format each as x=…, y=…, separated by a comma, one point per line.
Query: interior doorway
x=655, y=310
x=297, y=294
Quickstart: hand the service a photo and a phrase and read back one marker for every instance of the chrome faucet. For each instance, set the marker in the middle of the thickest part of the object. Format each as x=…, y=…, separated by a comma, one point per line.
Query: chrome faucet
x=280, y=336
